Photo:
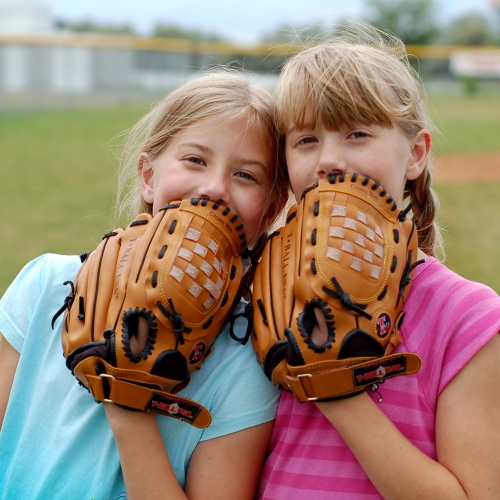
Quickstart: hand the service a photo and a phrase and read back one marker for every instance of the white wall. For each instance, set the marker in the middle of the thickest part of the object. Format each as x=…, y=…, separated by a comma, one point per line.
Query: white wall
x=25, y=16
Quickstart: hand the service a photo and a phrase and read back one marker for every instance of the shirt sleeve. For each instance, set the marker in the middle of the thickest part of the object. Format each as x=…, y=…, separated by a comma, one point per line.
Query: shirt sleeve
x=19, y=301
x=448, y=319
x=477, y=320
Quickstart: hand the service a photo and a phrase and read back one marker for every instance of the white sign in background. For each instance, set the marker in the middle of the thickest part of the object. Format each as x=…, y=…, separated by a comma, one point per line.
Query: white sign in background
x=480, y=63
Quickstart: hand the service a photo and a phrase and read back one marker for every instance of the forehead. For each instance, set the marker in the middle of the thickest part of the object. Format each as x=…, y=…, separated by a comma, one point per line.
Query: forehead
x=241, y=126
x=241, y=139
x=333, y=114
x=312, y=120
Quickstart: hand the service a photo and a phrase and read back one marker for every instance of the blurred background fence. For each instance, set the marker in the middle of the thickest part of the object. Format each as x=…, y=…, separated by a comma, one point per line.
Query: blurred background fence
x=63, y=69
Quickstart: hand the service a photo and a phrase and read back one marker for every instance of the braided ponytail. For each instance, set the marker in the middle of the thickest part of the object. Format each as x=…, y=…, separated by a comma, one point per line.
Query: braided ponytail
x=425, y=208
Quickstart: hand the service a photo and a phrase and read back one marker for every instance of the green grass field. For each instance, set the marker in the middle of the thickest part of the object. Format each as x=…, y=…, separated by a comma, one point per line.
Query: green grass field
x=466, y=123
x=470, y=212
x=58, y=178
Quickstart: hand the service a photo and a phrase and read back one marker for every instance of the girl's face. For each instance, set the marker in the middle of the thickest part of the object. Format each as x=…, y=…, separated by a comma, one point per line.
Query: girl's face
x=383, y=153
x=226, y=161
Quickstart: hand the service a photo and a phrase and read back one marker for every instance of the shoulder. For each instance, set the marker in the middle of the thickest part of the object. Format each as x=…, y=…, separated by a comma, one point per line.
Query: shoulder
x=437, y=290
x=447, y=320
x=44, y=277
x=36, y=292
x=59, y=266
x=44, y=272
x=432, y=272
x=42, y=269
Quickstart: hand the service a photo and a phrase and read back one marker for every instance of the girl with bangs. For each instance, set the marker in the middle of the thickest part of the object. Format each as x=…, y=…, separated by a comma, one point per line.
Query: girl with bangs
x=355, y=105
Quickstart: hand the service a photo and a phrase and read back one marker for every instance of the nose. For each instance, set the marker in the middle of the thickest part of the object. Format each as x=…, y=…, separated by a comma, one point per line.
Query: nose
x=331, y=159
x=215, y=186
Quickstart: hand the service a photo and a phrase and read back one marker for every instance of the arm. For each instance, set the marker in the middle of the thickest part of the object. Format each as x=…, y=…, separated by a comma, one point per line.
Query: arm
x=9, y=359
x=467, y=423
x=227, y=467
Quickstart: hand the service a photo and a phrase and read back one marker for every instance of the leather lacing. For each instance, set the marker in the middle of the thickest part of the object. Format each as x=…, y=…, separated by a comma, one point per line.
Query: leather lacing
x=248, y=314
x=176, y=318
x=68, y=302
x=406, y=277
x=374, y=388
x=402, y=215
x=345, y=299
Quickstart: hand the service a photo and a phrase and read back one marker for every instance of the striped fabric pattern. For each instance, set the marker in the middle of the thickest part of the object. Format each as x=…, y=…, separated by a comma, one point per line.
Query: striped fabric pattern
x=448, y=319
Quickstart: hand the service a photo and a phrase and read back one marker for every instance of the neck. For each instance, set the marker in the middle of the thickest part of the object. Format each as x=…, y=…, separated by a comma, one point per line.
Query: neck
x=421, y=255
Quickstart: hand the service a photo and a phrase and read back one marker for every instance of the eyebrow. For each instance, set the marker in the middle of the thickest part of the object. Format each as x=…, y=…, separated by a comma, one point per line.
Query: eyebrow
x=305, y=126
x=258, y=163
x=201, y=147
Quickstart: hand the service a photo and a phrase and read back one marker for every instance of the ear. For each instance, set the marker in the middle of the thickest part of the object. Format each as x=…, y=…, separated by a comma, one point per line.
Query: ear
x=147, y=178
x=420, y=150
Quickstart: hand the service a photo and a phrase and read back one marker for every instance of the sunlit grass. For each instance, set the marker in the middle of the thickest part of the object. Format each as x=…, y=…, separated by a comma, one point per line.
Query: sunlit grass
x=467, y=123
x=470, y=217
x=57, y=184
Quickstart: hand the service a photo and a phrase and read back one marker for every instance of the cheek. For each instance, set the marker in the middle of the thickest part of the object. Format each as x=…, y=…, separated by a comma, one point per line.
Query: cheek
x=300, y=178
x=252, y=209
x=297, y=172
x=168, y=188
x=302, y=169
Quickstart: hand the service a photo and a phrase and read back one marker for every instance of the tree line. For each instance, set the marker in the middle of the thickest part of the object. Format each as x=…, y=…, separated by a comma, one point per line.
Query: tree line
x=416, y=22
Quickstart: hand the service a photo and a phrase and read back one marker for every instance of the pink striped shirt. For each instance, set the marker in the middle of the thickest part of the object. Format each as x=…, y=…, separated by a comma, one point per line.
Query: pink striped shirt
x=448, y=319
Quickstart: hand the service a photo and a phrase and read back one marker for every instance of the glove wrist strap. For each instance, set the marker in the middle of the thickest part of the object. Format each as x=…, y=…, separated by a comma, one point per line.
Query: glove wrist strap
x=135, y=397
x=122, y=387
x=323, y=382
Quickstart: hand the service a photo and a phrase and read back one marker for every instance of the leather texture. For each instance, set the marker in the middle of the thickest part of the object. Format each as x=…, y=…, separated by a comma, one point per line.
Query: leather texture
x=149, y=302
x=346, y=256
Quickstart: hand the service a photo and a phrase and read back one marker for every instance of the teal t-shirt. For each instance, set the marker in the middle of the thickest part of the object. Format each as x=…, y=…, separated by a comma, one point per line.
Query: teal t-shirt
x=56, y=442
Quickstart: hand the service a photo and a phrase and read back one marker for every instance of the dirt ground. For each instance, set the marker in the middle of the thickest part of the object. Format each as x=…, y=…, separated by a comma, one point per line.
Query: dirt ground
x=467, y=166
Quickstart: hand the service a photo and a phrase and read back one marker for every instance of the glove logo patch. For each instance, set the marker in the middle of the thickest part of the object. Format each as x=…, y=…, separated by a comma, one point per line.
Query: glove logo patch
x=198, y=353
x=370, y=374
x=173, y=407
x=383, y=325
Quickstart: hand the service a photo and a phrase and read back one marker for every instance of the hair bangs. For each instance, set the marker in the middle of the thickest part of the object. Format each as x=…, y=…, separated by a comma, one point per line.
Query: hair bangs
x=342, y=91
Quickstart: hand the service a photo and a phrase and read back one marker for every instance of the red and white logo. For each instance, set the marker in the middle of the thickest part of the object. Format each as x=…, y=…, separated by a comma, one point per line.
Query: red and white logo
x=197, y=353
x=172, y=409
x=384, y=325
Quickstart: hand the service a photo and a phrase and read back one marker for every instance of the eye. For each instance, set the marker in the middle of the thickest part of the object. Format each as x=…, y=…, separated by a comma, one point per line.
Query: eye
x=307, y=140
x=195, y=159
x=358, y=135
x=245, y=175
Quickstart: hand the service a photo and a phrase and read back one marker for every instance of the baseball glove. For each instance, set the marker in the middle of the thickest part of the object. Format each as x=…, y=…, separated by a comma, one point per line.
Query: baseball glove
x=345, y=258
x=148, y=303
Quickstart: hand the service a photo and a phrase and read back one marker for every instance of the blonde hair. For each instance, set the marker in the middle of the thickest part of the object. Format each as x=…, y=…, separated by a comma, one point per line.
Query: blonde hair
x=363, y=76
x=224, y=94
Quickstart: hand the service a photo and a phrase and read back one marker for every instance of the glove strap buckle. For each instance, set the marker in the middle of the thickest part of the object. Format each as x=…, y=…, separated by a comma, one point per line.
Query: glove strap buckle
x=108, y=376
x=300, y=388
